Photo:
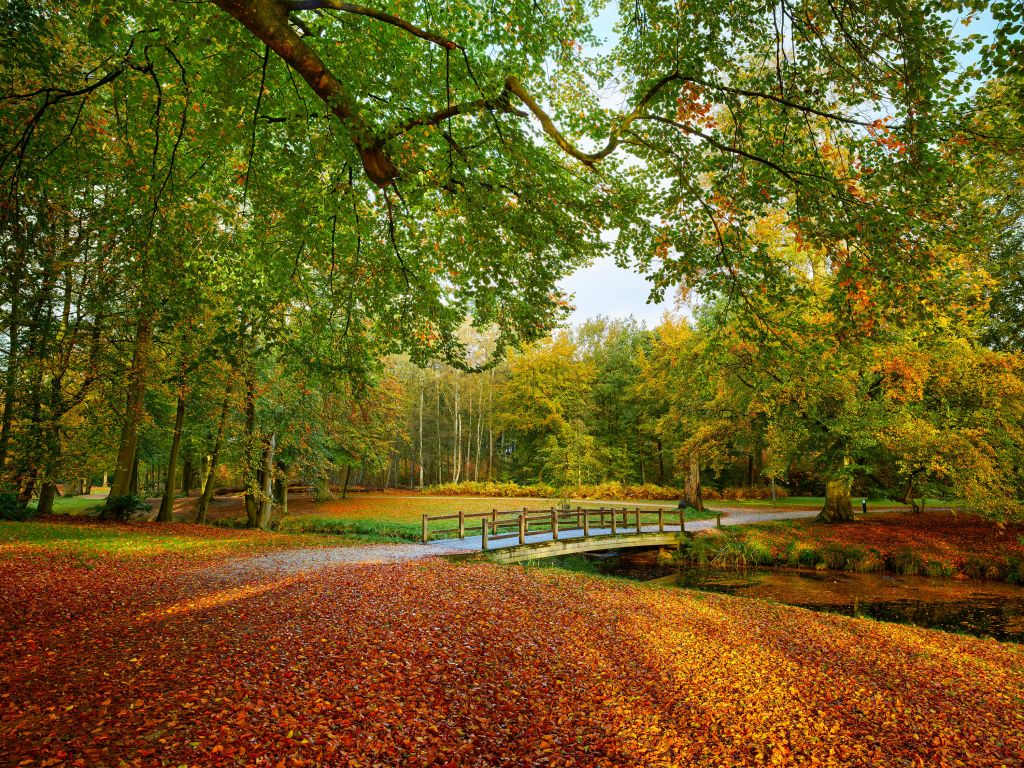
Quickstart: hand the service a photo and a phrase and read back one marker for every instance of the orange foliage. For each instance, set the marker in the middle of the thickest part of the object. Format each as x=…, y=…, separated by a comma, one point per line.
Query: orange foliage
x=433, y=664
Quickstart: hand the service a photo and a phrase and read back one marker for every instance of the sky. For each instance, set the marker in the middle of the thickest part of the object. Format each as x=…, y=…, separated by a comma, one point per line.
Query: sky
x=606, y=289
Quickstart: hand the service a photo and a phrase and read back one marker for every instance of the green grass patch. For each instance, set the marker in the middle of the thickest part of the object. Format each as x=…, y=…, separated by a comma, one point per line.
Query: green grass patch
x=139, y=540
x=72, y=505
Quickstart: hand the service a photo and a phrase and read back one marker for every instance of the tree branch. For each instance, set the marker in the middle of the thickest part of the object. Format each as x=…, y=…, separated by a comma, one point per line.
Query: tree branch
x=373, y=13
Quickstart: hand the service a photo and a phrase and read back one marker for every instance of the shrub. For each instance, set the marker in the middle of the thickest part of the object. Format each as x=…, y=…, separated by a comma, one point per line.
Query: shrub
x=611, y=491
x=744, y=493
x=871, y=561
x=908, y=563
x=123, y=507
x=11, y=510
x=1015, y=571
x=935, y=568
x=979, y=568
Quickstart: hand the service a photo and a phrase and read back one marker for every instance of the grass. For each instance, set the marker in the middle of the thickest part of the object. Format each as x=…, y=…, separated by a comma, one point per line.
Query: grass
x=71, y=505
x=91, y=539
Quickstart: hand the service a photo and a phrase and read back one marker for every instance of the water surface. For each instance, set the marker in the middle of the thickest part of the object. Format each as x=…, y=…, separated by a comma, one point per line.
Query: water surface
x=983, y=608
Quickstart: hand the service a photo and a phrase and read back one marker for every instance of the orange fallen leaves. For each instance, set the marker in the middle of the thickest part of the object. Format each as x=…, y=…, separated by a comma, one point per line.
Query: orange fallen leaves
x=434, y=664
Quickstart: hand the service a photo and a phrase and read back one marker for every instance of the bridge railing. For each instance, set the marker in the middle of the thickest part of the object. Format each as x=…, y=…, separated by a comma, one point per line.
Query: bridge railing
x=519, y=524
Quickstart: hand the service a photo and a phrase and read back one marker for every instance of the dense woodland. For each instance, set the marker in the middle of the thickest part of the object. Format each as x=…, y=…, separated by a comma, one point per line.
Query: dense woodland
x=235, y=254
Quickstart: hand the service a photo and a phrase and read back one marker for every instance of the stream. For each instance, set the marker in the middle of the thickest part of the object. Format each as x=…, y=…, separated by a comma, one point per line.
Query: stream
x=982, y=608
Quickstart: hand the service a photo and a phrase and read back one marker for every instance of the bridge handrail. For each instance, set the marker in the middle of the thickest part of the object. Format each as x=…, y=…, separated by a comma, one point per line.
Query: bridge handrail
x=553, y=520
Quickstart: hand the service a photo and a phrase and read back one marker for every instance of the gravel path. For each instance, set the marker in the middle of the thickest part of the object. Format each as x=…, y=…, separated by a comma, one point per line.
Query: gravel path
x=291, y=561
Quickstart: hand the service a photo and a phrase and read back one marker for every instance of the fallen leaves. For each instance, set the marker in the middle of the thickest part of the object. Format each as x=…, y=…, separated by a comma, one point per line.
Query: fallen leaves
x=434, y=664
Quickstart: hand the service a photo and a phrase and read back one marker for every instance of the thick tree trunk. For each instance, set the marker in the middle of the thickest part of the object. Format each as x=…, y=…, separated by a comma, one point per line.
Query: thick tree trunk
x=10, y=378
x=204, y=500
x=128, y=444
x=167, y=503
x=267, y=490
x=837, y=508
x=47, y=493
x=133, y=474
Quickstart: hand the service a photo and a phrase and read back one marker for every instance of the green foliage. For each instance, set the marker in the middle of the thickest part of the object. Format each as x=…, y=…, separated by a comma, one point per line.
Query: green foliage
x=11, y=510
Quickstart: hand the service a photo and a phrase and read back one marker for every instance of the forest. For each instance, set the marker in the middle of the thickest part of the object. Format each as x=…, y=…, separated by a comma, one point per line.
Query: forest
x=216, y=275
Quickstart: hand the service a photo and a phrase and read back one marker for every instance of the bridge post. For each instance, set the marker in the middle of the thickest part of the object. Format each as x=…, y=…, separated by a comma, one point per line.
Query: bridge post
x=483, y=533
x=462, y=524
x=554, y=523
x=639, y=528
x=425, y=533
x=682, y=520
x=661, y=520
x=586, y=523
x=615, y=520
x=522, y=526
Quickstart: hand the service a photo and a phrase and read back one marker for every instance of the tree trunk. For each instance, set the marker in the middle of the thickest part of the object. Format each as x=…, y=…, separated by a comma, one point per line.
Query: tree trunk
x=204, y=500
x=437, y=424
x=250, y=474
x=692, y=494
x=132, y=474
x=837, y=508
x=128, y=444
x=47, y=493
x=167, y=503
x=479, y=434
x=10, y=378
x=267, y=494
x=186, y=476
x=422, y=387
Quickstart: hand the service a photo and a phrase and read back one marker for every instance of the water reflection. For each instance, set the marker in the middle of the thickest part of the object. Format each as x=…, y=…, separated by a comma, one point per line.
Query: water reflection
x=981, y=608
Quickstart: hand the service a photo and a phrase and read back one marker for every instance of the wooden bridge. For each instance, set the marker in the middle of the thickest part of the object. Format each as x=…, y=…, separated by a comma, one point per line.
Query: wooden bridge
x=515, y=536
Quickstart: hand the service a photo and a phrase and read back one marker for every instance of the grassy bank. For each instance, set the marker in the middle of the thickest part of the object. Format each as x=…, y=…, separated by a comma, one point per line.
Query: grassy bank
x=928, y=544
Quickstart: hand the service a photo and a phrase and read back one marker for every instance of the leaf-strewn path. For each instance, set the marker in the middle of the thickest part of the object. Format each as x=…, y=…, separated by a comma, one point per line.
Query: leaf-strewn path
x=152, y=662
